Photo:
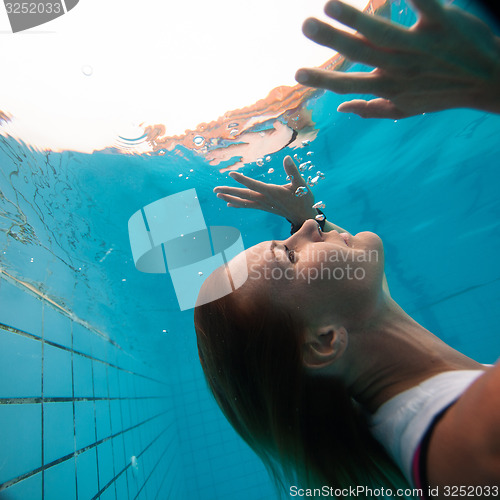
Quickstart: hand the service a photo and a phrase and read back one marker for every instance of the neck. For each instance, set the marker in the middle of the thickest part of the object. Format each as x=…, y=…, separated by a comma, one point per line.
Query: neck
x=393, y=353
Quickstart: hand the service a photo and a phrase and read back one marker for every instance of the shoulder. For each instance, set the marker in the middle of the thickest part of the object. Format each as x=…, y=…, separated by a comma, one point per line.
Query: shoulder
x=464, y=448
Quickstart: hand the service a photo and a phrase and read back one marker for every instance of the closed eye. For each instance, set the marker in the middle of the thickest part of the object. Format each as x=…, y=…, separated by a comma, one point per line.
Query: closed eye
x=291, y=254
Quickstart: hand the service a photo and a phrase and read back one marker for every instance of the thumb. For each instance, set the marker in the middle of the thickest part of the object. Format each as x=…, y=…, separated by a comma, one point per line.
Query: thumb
x=292, y=171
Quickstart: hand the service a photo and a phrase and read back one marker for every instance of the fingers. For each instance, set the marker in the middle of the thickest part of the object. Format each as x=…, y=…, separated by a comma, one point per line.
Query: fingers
x=341, y=83
x=236, y=202
x=258, y=186
x=292, y=171
x=246, y=194
x=376, y=108
x=376, y=29
x=352, y=46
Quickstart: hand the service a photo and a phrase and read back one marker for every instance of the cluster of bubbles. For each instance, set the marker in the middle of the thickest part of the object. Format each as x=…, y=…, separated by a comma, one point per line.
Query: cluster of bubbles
x=260, y=161
x=312, y=181
x=300, y=191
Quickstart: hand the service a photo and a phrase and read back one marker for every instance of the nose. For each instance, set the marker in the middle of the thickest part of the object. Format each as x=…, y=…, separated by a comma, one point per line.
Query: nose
x=310, y=230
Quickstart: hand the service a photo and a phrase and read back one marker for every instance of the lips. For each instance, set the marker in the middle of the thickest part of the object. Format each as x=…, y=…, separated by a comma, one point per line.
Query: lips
x=345, y=237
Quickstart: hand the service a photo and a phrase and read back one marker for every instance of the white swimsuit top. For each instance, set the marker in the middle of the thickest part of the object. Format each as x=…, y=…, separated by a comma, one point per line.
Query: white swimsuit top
x=401, y=423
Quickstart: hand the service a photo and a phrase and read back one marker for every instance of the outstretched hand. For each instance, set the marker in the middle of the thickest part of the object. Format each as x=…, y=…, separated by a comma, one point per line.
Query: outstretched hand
x=273, y=198
x=447, y=59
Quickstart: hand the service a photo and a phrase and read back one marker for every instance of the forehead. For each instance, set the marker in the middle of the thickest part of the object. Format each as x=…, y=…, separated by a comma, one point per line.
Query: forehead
x=254, y=261
x=257, y=255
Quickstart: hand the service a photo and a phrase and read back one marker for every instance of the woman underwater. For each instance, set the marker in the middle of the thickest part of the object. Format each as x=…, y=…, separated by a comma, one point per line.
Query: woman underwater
x=313, y=363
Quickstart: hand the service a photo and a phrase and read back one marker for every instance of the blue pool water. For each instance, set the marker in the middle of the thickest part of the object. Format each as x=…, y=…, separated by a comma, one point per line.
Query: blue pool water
x=98, y=365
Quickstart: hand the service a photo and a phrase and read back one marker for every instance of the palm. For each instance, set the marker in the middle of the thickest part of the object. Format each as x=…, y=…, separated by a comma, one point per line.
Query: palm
x=273, y=198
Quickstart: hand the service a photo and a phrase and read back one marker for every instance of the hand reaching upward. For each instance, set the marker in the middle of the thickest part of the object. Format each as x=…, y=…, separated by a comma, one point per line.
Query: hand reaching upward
x=447, y=59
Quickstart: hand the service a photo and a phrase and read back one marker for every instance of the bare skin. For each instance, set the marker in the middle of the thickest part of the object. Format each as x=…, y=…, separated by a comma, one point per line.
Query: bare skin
x=376, y=348
x=447, y=59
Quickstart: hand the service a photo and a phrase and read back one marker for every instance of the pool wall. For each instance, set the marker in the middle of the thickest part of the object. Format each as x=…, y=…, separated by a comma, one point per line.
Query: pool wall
x=75, y=409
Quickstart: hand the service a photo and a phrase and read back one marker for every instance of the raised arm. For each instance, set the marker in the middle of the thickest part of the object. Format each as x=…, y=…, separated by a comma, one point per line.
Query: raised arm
x=276, y=199
x=280, y=200
x=447, y=59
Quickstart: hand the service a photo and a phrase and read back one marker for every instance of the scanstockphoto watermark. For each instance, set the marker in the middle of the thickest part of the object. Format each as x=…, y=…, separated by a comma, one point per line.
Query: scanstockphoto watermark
x=321, y=264
x=354, y=491
x=382, y=492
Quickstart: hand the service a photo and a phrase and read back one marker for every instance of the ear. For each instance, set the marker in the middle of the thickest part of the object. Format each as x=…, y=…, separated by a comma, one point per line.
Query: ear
x=323, y=346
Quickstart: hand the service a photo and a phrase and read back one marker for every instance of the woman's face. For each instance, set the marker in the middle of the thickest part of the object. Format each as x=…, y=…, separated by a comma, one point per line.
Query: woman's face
x=315, y=272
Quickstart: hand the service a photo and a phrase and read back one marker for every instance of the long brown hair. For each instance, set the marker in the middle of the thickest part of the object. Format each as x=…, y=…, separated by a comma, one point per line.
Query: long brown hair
x=306, y=429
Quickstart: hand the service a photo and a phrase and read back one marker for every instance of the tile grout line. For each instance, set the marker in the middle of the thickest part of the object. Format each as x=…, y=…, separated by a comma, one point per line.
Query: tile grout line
x=8, y=484
x=43, y=423
x=17, y=331
x=162, y=481
x=74, y=409
x=99, y=493
x=151, y=473
x=66, y=399
x=111, y=429
x=95, y=426
x=123, y=437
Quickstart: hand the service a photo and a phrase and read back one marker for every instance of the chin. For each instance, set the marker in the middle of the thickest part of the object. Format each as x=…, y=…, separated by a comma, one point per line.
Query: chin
x=370, y=241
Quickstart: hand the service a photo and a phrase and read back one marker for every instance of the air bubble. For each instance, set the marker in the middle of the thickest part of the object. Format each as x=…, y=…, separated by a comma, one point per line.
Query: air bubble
x=233, y=125
x=260, y=162
x=312, y=181
x=310, y=153
x=199, y=140
x=180, y=175
x=270, y=171
x=200, y=273
x=289, y=178
x=306, y=143
x=320, y=217
x=301, y=191
x=234, y=132
x=268, y=158
x=319, y=204
x=87, y=70
x=304, y=165
x=321, y=175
